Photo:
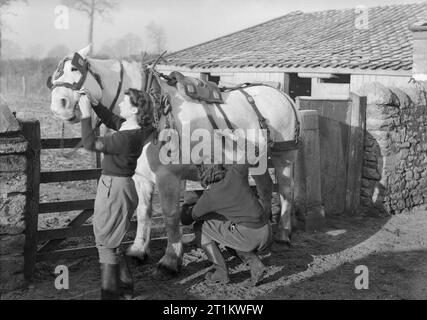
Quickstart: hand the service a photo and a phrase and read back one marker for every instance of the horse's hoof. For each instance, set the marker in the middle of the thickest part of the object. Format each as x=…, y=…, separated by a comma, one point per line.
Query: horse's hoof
x=283, y=237
x=161, y=273
x=141, y=256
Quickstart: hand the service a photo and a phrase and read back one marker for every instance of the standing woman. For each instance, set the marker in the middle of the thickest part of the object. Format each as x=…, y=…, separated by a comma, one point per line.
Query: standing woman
x=116, y=197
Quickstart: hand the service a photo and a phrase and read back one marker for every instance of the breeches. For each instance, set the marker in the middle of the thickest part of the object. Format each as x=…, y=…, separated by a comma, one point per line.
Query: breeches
x=116, y=201
x=233, y=235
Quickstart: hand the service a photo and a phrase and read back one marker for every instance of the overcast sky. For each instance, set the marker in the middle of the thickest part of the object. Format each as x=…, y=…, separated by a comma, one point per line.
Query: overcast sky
x=185, y=22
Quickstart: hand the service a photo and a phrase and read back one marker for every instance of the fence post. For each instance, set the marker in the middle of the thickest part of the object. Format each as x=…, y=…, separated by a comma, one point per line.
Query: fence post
x=31, y=131
x=355, y=152
x=315, y=214
x=24, y=86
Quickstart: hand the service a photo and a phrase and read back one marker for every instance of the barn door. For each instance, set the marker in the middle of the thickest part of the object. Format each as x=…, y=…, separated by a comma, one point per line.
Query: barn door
x=341, y=129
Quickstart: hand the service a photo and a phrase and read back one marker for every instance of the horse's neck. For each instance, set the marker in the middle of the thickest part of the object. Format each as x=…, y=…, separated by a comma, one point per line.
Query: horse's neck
x=109, y=71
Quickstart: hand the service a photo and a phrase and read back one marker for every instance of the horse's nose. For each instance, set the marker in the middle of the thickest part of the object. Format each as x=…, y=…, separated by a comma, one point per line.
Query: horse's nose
x=64, y=103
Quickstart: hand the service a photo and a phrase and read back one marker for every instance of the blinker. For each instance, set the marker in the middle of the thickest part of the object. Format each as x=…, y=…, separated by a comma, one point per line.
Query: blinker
x=79, y=63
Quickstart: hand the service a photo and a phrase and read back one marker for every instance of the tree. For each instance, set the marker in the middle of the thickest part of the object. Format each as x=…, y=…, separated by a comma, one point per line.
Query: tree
x=156, y=34
x=4, y=4
x=93, y=9
x=58, y=51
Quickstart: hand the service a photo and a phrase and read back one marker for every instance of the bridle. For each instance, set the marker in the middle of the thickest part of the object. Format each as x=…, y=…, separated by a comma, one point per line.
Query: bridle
x=82, y=65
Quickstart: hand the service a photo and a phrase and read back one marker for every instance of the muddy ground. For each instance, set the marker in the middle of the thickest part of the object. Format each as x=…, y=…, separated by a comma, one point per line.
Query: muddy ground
x=317, y=266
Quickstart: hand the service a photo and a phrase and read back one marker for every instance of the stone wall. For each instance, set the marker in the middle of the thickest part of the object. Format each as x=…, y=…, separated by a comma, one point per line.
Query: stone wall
x=13, y=198
x=395, y=164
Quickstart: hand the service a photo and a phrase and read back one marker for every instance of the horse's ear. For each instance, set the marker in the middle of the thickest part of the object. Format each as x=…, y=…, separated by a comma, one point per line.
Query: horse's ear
x=85, y=51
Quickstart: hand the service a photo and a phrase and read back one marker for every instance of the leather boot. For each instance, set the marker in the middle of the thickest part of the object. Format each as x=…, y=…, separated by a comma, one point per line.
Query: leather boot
x=258, y=269
x=220, y=273
x=110, y=282
x=126, y=287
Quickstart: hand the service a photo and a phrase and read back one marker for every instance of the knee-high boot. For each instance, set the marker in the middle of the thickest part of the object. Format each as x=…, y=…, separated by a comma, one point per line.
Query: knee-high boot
x=110, y=281
x=220, y=273
x=258, y=269
x=126, y=285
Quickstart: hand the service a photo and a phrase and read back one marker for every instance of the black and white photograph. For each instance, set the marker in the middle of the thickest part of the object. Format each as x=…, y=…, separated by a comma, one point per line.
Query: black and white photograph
x=213, y=157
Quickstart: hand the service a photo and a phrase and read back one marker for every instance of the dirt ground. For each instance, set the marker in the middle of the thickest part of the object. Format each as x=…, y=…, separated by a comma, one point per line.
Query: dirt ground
x=317, y=266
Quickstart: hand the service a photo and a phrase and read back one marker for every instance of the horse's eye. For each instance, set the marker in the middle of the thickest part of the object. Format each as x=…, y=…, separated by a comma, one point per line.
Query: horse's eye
x=73, y=69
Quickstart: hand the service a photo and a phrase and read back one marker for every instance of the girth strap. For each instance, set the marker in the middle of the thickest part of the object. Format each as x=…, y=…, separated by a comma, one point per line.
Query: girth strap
x=262, y=121
x=227, y=121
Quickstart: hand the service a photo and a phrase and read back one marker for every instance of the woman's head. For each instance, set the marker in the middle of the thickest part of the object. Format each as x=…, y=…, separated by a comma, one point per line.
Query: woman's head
x=210, y=174
x=136, y=103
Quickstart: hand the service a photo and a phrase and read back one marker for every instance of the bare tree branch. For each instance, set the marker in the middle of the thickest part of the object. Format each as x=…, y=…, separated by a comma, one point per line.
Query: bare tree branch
x=92, y=9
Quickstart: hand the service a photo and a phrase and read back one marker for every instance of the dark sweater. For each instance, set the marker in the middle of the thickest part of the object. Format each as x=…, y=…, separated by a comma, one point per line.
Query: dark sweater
x=121, y=149
x=233, y=199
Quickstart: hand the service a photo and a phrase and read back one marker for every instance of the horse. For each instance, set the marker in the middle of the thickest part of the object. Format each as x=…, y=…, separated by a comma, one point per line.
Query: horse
x=106, y=80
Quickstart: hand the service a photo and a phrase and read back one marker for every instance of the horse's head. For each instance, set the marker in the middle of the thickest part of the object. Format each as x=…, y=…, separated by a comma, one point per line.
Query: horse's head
x=72, y=75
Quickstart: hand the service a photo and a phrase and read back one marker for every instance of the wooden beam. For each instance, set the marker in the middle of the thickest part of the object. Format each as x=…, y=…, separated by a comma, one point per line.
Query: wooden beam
x=66, y=143
x=315, y=215
x=356, y=142
x=70, y=175
x=75, y=253
x=31, y=132
x=64, y=206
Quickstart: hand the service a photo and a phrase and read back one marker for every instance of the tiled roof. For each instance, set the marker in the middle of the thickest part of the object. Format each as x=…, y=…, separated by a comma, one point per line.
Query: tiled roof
x=325, y=39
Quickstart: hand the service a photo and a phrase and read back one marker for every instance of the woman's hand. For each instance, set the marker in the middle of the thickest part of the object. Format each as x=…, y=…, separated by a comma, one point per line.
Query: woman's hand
x=92, y=99
x=85, y=106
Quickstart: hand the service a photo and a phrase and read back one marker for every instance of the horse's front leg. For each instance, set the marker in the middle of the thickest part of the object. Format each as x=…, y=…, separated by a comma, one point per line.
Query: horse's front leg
x=140, y=247
x=169, y=188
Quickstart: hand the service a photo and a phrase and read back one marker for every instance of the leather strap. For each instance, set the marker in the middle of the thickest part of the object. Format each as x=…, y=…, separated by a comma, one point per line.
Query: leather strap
x=227, y=121
x=262, y=121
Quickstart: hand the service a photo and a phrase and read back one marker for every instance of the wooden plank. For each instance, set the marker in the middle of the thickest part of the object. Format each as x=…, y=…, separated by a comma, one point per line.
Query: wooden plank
x=31, y=132
x=76, y=222
x=315, y=216
x=75, y=253
x=64, y=206
x=66, y=143
x=70, y=175
x=355, y=153
x=70, y=232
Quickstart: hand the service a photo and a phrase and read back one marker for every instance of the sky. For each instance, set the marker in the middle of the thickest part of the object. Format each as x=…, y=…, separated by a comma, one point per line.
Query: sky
x=185, y=22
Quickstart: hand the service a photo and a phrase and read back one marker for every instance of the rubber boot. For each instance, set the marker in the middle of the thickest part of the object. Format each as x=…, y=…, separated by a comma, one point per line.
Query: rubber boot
x=126, y=286
x=220, y=273
x=258, y=269
x=110, y=282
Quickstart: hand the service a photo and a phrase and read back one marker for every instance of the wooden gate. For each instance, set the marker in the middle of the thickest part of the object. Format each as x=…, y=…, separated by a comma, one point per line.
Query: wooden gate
x=42, y=245
x=342, y=125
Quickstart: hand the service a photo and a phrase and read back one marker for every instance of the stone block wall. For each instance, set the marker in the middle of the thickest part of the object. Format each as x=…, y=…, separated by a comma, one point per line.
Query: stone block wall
x=395, y=162
x=13, y=199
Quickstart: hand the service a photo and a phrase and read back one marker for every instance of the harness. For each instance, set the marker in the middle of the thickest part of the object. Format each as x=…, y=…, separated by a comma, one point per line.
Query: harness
x=82, y=65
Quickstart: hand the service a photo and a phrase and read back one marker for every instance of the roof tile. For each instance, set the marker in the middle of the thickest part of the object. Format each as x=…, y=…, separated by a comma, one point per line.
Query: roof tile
x=326, y=39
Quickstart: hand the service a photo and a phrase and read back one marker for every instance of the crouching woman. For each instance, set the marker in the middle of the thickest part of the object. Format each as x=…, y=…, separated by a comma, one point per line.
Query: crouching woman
x=116, y=197
x=228, y=213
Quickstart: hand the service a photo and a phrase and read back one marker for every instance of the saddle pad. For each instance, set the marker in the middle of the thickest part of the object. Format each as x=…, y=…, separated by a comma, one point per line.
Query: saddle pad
x=197, y=89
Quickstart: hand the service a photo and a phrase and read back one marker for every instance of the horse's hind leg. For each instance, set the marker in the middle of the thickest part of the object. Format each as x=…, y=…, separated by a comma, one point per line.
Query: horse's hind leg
x=264, y=186
x=140, y=247
x=284, y=165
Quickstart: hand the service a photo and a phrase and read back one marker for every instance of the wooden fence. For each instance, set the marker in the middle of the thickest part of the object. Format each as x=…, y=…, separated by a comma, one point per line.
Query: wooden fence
x=42, y=245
